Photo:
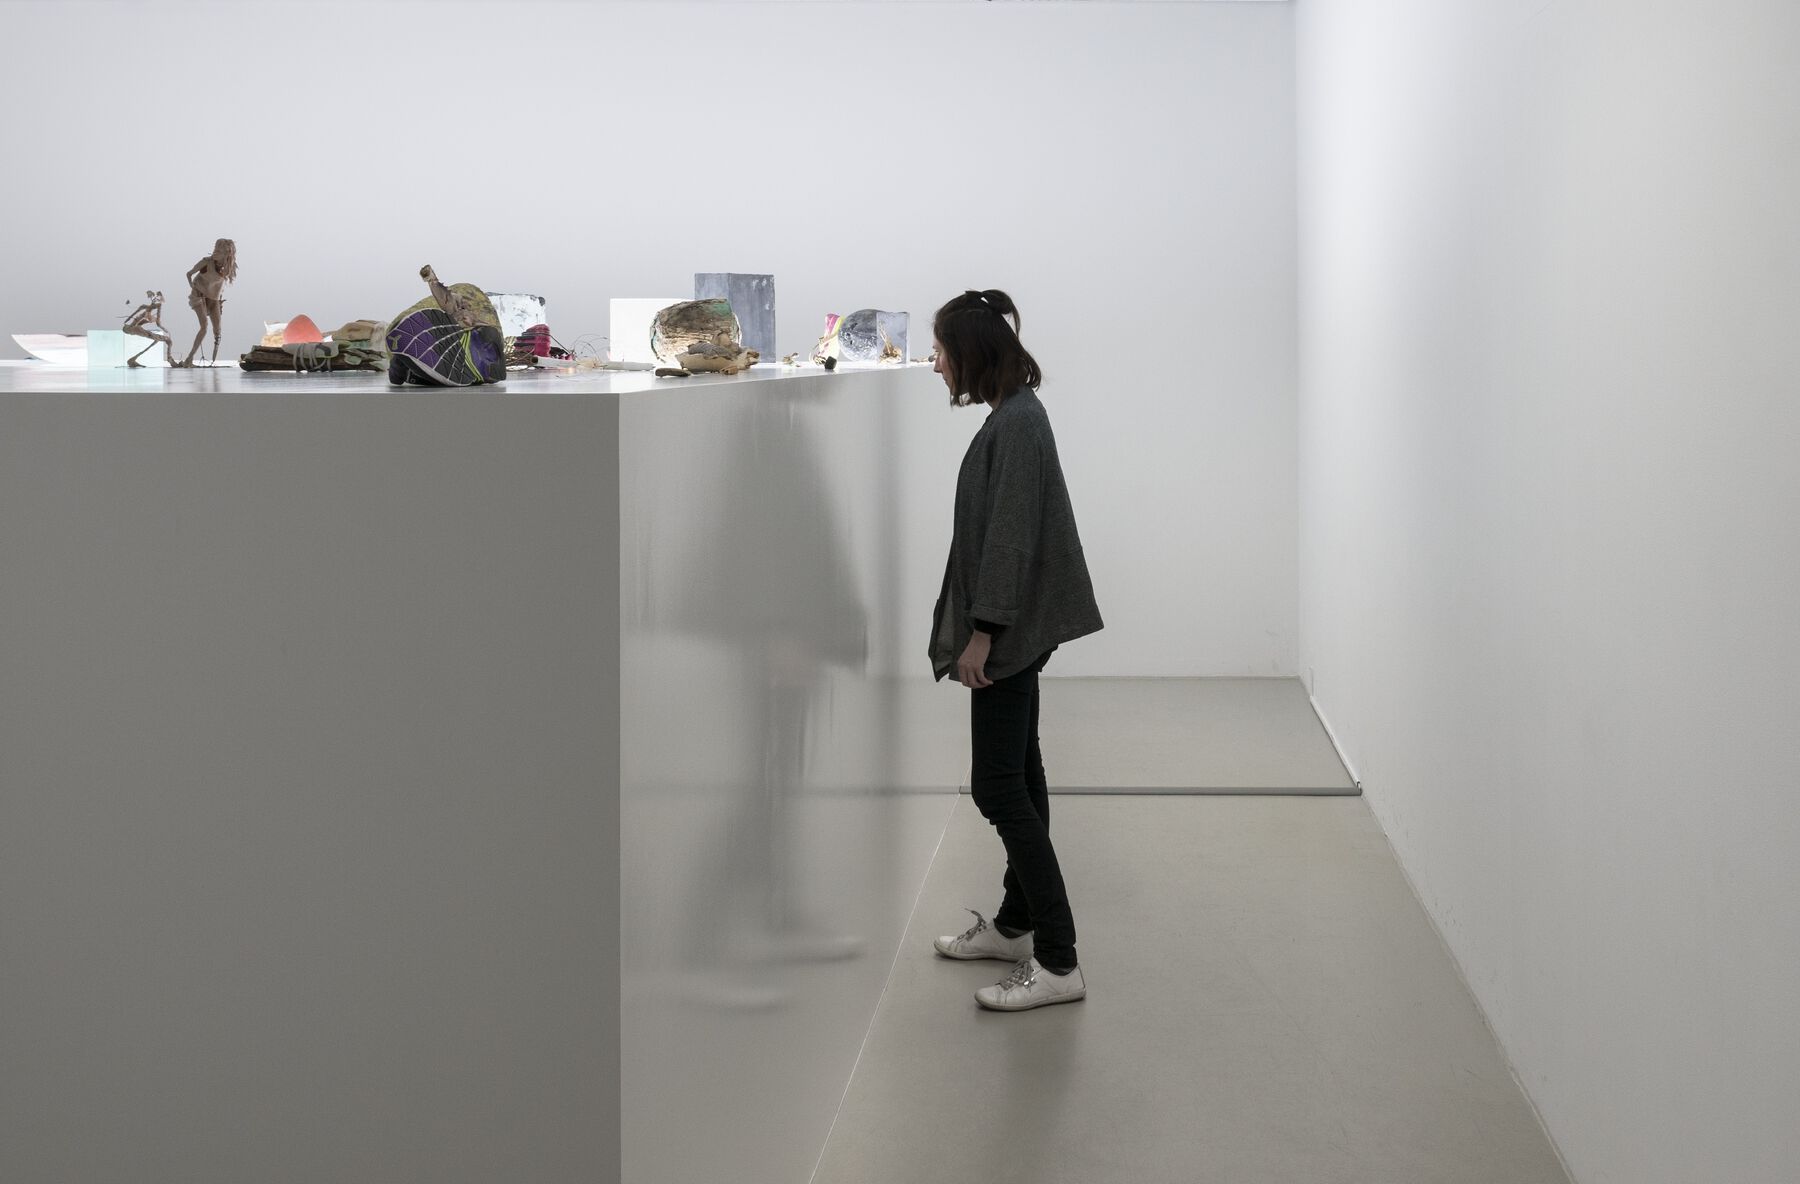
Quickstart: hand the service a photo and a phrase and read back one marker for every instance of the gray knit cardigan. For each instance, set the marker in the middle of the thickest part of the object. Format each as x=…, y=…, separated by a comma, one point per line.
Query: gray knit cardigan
x=1015, y=557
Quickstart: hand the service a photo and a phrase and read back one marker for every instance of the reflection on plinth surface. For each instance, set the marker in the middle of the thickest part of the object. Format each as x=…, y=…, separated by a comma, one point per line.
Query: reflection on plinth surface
x=787, y=762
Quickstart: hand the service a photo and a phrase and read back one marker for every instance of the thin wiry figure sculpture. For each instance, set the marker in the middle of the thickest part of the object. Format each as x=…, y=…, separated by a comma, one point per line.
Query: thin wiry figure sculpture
x=206, y=281
x=146, y=321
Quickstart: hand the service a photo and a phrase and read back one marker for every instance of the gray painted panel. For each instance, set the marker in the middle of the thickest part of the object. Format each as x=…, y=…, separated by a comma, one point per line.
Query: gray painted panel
x=308, y=740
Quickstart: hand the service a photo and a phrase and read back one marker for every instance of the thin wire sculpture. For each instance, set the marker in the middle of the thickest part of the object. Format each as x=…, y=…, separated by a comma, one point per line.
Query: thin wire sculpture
x=146, y=321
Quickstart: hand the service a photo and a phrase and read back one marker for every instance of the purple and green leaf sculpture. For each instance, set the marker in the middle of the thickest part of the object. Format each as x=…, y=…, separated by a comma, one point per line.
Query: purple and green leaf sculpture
x=429, y=348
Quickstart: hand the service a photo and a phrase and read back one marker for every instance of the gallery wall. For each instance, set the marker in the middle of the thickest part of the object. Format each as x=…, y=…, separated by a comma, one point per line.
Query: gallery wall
x=1549, y=276
x=1126, y=171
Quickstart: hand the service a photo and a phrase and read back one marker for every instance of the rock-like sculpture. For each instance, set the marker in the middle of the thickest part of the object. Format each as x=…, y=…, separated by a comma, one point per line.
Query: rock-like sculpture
x=680, y=327
x=146, y=321
x=873, y=335
x=206, y=281
x=450, y=338
x=719, y=356
x=866, y=335
x=752, y=300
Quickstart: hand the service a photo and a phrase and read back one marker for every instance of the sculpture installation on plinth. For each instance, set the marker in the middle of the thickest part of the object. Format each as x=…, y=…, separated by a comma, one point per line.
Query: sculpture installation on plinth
x=450, y=338
x=146, y=321
x=206, y=283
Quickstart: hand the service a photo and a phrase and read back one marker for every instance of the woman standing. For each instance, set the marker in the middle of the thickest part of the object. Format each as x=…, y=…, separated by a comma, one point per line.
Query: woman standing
x=1016, y=586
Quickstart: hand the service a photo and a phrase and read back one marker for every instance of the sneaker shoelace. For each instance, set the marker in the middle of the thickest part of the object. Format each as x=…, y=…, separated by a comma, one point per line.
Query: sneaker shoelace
x=971, y=931
x=1022, y=976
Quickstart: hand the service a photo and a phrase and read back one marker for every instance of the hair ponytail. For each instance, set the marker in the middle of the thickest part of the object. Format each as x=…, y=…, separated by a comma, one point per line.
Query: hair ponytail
x=987, y=359
x=1001, y=303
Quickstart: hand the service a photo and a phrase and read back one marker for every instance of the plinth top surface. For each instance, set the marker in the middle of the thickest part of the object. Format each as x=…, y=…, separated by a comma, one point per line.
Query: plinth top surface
x=35, y=376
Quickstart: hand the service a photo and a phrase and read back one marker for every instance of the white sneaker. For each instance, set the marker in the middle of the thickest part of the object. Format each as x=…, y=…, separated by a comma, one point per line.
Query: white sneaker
x=1030, y=985
x=982, y=940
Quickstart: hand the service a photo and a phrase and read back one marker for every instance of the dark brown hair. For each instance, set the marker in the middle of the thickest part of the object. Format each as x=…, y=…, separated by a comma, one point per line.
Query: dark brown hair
x=987, y=361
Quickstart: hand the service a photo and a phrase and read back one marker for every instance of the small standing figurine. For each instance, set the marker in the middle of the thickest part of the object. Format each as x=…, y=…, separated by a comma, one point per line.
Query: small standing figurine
x=206, y=280
x=146, y=321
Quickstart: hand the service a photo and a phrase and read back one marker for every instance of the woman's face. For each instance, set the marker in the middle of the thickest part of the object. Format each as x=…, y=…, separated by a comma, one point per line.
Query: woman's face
x=940, y=365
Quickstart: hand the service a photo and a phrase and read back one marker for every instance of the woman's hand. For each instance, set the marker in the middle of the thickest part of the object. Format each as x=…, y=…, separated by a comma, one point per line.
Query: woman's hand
x=972, y=666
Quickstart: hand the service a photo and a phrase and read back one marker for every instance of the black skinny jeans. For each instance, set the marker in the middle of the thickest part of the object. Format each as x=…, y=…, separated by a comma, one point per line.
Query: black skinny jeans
x=1007, y=782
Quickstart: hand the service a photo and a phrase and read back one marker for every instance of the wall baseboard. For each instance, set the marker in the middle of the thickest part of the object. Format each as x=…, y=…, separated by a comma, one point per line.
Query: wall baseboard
x=1332, y=736
x=1462, y=976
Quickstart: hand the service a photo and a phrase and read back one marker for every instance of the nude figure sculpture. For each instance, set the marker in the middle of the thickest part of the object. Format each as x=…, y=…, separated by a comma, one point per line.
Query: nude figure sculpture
x=206, y=280
x=146, y=321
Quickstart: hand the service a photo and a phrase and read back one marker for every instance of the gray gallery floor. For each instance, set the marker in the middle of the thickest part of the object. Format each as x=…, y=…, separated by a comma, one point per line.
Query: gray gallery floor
x=1267, y=1001
x=1186, y=735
